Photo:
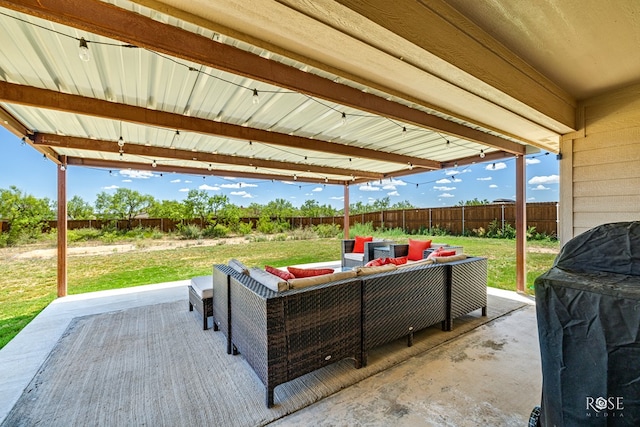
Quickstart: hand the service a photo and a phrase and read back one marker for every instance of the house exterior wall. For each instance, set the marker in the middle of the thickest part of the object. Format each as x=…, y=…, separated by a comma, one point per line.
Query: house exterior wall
x=600, y=165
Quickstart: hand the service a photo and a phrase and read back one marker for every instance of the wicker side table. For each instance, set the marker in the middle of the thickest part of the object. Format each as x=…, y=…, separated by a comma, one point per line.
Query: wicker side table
x=381, y=252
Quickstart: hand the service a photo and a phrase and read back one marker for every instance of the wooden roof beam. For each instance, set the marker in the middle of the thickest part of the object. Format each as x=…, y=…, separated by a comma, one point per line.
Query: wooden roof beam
x=117, y=164
x=44, y=98
x=51, y=140
x=107, y=20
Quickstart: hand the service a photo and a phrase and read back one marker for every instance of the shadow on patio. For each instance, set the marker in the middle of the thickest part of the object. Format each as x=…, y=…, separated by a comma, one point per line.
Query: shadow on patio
x=487, y=373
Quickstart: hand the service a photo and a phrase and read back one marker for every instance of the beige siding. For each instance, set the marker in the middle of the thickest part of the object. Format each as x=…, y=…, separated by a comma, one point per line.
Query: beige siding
x=604, y=183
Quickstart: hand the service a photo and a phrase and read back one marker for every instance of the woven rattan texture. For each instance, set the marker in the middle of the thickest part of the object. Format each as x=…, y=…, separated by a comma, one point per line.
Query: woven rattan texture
x=468, y=286
x=397, y=304
x=220, y=309
x=285, y=335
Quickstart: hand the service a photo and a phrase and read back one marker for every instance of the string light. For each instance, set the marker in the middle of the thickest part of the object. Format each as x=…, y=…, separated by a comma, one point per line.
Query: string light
x=255, y=98
x=63, y=168
x=121, y=142
x=210, y=167
x=410, y=166
x=482, y=154
x=343, y=120
x=176, y=138
x=404, y=131
x=84, y=53
x=295, y=177
x=154, y=164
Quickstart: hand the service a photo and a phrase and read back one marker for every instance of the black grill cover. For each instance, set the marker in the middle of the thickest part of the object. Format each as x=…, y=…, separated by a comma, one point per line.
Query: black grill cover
x=588, y=312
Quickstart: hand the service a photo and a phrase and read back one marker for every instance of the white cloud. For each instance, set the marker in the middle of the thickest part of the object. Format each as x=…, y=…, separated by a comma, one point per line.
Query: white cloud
x=486, y=178
x=456, y=180
x=136, y=174
x=341, y=198
x=443, y=181
x=443, y=188
x=186, y=181
x=229, y=178
x=532, y=161
x=456, y=172
x=389, y=187
x=531, y=199
x=208, y=187
x=551, y=179
x=174, y=181
x=184, y=190
x=242, y=194
x=288, y=182
x=496, y=166
x=127, y=180
x=540, y=187
x=238, y=185
x=368, y=188
x=315, y=190
x=493, y=186
x=446, y=195
x=111, y=187
x=394, y=182
x=393, y=193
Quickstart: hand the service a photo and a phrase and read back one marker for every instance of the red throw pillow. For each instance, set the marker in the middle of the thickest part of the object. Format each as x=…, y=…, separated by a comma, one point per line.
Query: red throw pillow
x=416, y=249
x=284, y=275
x=358, y=248
x=441, y=252
x=376, y=262
x=309, y=272
x=397, y=261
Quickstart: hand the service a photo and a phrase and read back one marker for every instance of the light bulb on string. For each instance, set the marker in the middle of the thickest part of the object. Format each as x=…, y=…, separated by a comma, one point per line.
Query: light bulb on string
x=121, y=142
x=343, y=119
x=84, y=53
x=482, y=154
x=404, y=132
x=154, y=164
x=255, y=98
x=176, y=138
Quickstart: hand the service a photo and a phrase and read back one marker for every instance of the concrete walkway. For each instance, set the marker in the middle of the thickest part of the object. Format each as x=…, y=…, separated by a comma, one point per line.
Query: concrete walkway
x=490, y=376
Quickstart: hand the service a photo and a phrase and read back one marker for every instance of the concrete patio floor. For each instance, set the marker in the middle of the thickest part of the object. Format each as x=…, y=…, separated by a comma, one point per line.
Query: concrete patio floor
x=488, y=376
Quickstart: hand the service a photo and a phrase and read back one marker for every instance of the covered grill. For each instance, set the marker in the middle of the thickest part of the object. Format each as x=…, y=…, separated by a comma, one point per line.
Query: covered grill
x=588, y=313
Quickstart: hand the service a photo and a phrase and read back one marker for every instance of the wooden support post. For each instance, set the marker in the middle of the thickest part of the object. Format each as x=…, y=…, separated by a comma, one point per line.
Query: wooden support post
x=346, y=211
x=62, y=229
x=521, y=225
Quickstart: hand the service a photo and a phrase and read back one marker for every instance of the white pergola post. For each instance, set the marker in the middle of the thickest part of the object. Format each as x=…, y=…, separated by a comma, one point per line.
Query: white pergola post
x=346, y=211
x=62, y=229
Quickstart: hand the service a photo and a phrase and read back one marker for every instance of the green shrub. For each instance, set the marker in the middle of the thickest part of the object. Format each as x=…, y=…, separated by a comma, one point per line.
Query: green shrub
x=327, y=230
x=83, y=234
x=215, y=231
x=189, y=231
x=360, y=229
x=244, y=229
x=306, y=233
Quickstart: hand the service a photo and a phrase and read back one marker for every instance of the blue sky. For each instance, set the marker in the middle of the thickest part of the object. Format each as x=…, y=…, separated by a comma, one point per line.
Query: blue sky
x=25, y=168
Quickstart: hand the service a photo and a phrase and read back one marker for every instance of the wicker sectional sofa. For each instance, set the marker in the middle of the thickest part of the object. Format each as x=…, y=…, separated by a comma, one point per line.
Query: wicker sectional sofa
x=284, y=335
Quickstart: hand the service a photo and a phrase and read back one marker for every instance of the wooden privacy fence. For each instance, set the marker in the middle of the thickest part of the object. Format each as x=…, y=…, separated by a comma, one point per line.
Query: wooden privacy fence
x=457, y=220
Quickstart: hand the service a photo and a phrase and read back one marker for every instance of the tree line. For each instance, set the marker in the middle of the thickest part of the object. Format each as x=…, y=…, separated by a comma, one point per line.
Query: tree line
x=28, y=215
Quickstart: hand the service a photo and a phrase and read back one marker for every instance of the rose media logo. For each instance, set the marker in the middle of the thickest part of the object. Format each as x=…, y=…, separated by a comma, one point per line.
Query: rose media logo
x=601, y=407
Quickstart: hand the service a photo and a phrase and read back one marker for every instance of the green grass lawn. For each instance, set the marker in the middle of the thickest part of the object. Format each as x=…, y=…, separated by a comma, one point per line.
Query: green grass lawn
x=29, y=285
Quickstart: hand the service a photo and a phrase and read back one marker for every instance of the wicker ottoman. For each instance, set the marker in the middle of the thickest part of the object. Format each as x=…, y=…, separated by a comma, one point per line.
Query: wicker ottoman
x=201, y=297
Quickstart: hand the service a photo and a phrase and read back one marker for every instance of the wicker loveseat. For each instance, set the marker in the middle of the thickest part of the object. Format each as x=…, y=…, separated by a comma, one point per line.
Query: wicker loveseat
x=284, y=335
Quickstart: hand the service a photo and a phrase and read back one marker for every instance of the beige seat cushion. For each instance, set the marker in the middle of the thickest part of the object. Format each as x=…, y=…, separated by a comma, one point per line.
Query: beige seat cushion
x=354, y=256
x=269, y=280
x=318, y=280
x=365, y=271
x=203, y=285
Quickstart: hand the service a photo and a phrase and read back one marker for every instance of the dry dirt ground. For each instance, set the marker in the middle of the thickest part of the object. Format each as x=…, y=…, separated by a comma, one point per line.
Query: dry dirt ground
x=40, y=252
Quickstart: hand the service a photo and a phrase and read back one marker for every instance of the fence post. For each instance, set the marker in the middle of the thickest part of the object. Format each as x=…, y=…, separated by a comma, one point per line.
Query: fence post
x=404, y=225
x=502, y=209
x=429, y=220
x=463, y=220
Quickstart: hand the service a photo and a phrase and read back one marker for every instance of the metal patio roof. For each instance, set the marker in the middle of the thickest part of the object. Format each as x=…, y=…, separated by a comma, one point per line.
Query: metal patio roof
x=176, y=113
